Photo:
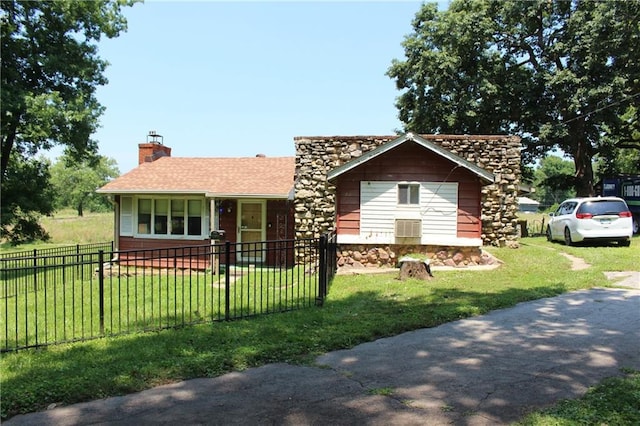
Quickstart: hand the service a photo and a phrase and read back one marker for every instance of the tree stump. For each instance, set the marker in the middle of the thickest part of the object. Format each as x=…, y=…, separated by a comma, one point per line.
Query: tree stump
x=413, y=268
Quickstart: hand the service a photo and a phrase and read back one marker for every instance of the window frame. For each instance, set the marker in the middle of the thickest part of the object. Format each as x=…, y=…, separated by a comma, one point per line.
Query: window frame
x=167, y=231
x=410, y=190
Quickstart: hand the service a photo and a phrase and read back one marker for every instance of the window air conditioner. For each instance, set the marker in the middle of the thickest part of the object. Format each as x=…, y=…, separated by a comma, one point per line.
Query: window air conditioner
x=408, y=228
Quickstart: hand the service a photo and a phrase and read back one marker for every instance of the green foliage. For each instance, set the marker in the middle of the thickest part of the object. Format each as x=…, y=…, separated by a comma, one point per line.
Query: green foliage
x=21, y=205
x=75, y=183
x=618, y=161
x=558, y=73
x=553, y=181
x=50, y=70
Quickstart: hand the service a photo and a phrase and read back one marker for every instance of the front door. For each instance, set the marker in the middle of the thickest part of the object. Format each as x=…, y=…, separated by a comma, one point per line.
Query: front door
x=251, y=217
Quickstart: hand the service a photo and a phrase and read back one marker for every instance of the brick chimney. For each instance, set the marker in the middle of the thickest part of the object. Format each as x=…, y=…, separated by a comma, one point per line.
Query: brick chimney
x=152, y=149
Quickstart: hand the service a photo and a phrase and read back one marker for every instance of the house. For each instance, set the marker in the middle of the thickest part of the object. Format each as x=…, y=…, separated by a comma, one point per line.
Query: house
x=178, y=202
x=527, y=205
x=442, y=195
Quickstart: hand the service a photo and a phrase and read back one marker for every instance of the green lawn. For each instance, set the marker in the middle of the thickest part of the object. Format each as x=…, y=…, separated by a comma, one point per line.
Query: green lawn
x=358, y=309
x=67, y=308
x=615, y=401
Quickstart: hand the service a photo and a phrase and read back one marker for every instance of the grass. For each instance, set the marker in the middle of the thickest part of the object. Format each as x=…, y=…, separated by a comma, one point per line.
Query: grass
x=615, y=401
x=68, y=308
x=65, y=227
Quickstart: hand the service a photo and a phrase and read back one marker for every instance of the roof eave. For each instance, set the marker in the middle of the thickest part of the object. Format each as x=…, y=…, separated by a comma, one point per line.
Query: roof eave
x=478, y=171
x=150, y=191
x=205, y=193
x=247, y=196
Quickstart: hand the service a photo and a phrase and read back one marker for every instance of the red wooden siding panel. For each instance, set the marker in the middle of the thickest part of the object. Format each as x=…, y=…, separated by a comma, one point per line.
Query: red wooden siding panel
x=280, y=226
x=349, y=223
x=348, y=207
x=469, y=210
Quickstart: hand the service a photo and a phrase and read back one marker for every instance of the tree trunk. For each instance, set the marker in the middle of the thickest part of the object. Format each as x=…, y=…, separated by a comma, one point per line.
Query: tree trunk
x=7, y=146
x=415, y=269
x=584, y=170
x=80, y=213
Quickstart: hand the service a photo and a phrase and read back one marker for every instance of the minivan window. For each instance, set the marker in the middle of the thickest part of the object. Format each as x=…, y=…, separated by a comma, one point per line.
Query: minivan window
x=602, y=207
x=566, y=208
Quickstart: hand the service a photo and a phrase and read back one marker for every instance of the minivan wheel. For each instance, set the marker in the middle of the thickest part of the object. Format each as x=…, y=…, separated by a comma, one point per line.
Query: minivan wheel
x=549, y=238
x=567, y=237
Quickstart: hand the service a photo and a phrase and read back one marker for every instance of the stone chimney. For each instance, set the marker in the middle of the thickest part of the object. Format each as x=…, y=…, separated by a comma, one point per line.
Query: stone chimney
x=152, y=149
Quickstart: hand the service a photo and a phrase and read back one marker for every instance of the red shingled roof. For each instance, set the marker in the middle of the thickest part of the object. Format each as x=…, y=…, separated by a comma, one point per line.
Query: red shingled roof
x=264, y=177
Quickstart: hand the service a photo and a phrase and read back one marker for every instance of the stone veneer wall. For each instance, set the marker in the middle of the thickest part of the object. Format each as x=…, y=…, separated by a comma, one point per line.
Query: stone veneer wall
x=366, y=256
x=315, y=198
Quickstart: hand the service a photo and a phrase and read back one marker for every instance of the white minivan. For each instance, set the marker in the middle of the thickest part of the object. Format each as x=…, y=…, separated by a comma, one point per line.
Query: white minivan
x=591, y=219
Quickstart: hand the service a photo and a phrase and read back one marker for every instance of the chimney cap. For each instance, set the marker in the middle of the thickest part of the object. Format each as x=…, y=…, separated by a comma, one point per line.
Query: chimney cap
x=155, y=137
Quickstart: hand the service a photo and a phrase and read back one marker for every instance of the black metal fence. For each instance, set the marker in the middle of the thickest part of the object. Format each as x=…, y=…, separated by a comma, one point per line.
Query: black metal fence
x=66, y=297
x=55, y=251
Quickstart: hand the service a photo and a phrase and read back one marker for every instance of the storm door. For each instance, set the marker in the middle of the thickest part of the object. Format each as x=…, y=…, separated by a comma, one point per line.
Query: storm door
x=252, y=218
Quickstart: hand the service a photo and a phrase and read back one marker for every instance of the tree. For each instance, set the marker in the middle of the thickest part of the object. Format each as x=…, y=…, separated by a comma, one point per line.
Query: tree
x=49, y=73
x=553, y=181
x=75, y=183
x=560, y=74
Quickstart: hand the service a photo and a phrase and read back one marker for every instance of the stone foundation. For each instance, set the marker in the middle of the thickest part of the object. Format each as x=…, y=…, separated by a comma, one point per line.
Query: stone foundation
x=363, y=256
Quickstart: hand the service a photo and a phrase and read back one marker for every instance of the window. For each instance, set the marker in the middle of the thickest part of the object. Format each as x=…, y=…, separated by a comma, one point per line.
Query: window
x=566, y=208
x=144, y=216
x=161, y=214
x=177, y=217
x=168, y=216
x=409, y=193
x=603, y=207
x=126, y=215
x=195, y=211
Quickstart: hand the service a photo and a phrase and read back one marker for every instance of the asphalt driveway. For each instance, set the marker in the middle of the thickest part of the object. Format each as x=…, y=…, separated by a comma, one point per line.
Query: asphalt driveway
x=485, y=370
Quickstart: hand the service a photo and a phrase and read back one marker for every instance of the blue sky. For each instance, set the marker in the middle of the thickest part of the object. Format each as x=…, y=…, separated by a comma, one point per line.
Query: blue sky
x=234, y=79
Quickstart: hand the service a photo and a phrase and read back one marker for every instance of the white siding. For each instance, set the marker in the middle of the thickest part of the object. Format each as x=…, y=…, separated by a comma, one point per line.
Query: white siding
x=439, y=208
x=379, y=209
x=378, y=202
x=126, y=216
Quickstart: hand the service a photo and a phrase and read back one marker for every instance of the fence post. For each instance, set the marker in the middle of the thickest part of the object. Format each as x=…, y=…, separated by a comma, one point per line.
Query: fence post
x=227, y=280
x=101, y=288
x=35, y=270
x=322, y=271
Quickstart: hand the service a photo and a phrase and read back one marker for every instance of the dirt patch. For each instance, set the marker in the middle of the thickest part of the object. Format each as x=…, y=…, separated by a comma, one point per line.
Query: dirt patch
x=621, y=278
x=577, y=264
